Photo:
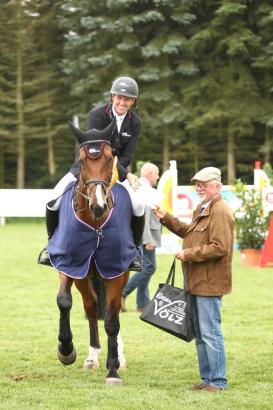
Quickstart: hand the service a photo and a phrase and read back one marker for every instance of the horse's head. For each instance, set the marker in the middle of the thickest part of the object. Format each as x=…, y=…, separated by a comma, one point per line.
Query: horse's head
x=98, y=168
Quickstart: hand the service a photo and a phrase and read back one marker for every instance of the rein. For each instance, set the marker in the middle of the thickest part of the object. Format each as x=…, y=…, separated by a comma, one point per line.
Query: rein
x=96, y=222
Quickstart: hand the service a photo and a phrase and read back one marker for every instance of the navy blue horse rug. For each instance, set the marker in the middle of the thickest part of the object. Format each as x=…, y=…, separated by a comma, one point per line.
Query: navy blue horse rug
x=74, y=242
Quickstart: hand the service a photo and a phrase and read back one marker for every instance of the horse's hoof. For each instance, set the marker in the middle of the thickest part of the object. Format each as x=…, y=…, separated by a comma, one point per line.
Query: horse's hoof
x=114, y=381
x=67, y=359
x=90, y=364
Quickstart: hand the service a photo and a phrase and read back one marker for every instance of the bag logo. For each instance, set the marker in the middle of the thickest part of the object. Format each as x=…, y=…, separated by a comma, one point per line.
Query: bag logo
x=166, y=309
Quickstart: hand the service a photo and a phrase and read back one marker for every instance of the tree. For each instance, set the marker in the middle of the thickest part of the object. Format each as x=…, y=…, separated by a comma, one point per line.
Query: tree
x=35, y=109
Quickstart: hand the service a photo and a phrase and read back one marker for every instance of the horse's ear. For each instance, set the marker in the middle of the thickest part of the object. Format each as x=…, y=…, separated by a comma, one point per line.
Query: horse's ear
x=93, y=134
x=108, y=132
x=78, y=134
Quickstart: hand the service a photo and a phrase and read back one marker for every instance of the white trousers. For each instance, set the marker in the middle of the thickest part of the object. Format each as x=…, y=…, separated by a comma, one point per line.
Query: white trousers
x=55, y=199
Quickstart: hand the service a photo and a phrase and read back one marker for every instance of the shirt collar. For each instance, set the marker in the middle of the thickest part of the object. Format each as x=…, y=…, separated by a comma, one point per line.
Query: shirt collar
x=145, y=181
x=118, y=117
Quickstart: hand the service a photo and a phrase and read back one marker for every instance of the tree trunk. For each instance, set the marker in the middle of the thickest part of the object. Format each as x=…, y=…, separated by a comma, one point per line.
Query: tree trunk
x=230, y=159
x=19, y=105
x=166, y=152
x=267, y=144
x=1, y=168
x=50, y=148
x=195, y=153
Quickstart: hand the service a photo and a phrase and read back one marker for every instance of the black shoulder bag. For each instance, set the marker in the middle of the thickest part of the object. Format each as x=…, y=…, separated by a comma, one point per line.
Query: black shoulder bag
x=170, y=309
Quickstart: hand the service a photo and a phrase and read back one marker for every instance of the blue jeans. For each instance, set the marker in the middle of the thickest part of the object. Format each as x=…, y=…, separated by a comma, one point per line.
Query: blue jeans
x=140, y=280
x=209, y=339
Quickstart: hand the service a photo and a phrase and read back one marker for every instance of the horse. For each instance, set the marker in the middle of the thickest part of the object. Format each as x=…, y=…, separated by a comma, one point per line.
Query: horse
x=93, y=205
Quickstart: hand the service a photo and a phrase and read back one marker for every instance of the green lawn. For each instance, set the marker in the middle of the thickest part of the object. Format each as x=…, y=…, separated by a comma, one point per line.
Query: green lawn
x=161, y=368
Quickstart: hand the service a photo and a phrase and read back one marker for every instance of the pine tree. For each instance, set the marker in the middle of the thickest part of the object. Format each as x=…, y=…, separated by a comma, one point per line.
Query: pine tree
x=8, y=120
x=143, y=39
x=229, y=100
x=35, y=109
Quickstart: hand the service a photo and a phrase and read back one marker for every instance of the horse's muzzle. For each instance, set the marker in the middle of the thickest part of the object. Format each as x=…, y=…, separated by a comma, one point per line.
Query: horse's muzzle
x=97, y=210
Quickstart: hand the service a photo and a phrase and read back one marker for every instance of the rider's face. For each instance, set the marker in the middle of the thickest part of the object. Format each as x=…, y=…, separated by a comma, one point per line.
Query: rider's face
x=122, y=104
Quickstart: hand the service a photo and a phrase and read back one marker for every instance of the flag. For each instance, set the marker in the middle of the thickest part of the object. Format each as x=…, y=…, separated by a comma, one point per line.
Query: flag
x=167, y=187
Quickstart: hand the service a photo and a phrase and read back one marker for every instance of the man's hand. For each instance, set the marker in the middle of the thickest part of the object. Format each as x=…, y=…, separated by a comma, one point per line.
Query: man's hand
x=133, y=181
x=149, y=246
x=180, y=255
x=159, y=211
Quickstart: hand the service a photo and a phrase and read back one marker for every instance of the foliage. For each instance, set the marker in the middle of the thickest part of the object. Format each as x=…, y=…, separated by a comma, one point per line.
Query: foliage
x=205, y=71
x=34, y=103
x=251, y=220
x=269, y=172
x=161, y=368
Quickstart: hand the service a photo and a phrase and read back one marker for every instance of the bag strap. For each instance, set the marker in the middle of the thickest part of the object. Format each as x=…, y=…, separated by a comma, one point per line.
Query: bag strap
x=171, y=275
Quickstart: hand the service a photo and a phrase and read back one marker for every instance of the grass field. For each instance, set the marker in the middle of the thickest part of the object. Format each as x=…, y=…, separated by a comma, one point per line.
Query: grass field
x=161, y=368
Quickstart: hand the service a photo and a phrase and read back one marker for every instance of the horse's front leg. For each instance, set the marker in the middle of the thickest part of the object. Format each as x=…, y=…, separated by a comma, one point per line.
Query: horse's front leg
x=89, y=298
x=111, y=323
x=66, y=351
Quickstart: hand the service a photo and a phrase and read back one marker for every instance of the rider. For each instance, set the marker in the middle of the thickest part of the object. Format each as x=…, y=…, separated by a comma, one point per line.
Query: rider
x=124, y=92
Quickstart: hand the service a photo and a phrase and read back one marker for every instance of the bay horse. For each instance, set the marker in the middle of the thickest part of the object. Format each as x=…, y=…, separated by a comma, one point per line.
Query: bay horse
x=92, y=205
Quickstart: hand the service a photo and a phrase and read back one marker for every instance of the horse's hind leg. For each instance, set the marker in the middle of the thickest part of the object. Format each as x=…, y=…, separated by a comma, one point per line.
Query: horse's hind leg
x=89, y=298
x=113, y=303
x=66, y=351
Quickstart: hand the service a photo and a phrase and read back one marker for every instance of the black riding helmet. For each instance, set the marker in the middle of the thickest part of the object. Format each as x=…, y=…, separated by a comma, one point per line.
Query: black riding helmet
x=125, y=86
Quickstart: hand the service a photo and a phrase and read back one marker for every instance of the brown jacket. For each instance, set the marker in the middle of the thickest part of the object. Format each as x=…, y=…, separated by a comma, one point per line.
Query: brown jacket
x=208, y=247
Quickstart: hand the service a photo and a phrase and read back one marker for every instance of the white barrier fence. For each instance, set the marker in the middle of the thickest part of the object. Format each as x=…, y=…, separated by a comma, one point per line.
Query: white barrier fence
x=23, y=203
x=32, y=203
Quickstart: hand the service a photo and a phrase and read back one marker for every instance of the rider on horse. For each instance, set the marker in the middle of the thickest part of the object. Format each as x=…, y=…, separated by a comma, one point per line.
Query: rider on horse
x=124, y=92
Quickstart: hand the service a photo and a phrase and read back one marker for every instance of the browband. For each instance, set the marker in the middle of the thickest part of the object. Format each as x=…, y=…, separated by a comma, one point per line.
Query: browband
x=95, y=142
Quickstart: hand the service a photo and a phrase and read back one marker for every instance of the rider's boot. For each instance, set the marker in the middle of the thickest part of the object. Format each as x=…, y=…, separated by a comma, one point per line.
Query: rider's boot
x=138, y=223
x=52, y=220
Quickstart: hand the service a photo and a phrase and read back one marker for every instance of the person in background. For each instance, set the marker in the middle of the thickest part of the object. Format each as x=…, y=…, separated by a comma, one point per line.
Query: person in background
x=124, y=92
x=151, y=239
x=207, y=262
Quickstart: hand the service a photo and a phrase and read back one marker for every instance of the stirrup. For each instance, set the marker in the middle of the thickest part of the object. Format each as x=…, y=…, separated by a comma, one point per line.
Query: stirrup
x=137, y=263
x=43, y=258
x=136, y=266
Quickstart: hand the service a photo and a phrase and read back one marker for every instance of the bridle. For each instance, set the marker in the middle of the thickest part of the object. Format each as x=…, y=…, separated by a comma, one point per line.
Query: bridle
x=105, y=184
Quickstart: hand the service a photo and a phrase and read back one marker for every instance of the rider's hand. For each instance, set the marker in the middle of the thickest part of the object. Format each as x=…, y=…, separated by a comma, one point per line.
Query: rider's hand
x=159, y=211
x=133, y=181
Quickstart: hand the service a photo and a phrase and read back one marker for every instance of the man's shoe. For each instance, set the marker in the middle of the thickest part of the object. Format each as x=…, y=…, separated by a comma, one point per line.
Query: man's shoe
x=43, y=258
x=199, y=386
x=140, y=309
x=212, y=389
x=137, y=264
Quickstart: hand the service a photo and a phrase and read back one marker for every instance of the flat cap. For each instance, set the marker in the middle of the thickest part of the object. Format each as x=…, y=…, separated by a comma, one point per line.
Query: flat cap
x=207, y=174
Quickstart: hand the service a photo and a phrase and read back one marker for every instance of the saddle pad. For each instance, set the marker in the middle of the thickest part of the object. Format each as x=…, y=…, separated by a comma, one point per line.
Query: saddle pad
x=74, y=242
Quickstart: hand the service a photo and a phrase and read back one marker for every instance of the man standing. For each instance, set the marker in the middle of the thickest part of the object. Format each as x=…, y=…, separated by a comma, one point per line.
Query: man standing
x=206, y=259
x=151, y=239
